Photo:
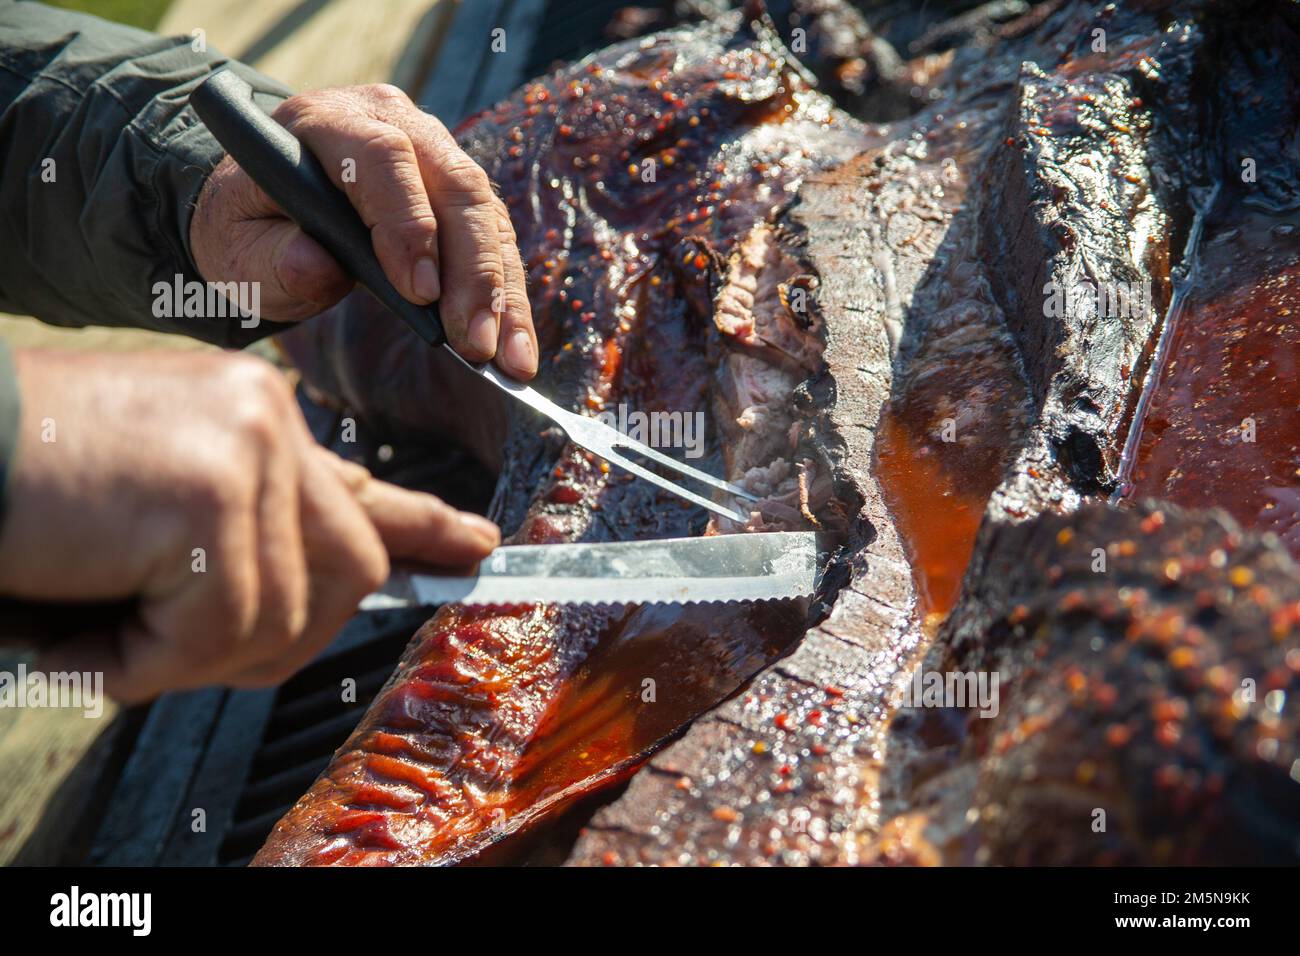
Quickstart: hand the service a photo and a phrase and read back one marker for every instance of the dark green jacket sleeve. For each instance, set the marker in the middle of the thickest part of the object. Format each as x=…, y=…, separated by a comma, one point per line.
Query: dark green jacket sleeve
x=101, y=160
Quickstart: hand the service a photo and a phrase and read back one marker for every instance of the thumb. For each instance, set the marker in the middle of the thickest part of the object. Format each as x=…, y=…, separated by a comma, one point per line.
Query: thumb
x=239, y=234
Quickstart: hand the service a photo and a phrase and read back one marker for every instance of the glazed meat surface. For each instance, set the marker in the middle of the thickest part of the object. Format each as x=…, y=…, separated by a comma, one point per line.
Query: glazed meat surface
x=643, y=184
x=864, y=315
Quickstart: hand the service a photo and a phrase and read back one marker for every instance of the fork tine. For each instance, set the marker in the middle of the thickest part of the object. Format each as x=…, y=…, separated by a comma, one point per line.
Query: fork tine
x=616, y=459
x=622, y=441
x=599, y=438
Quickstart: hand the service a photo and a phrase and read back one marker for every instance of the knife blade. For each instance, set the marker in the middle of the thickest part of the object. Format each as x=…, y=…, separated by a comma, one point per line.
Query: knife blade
x=762, y=566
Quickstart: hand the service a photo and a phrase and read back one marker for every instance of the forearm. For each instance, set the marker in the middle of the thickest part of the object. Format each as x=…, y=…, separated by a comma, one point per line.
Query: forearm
x=101, y=161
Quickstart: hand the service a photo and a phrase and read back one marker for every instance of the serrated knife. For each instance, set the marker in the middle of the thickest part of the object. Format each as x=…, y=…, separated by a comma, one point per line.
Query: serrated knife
x=719, y=568
x=766, y=566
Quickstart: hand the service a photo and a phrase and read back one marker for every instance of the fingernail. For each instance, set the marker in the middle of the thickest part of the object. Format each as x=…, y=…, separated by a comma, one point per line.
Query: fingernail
x=518, y=353
x=425, y=279
x=483, y=334
x=480, y=527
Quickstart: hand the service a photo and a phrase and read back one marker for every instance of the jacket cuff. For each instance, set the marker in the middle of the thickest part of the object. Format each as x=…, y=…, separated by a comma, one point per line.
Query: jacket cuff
x=188, y=153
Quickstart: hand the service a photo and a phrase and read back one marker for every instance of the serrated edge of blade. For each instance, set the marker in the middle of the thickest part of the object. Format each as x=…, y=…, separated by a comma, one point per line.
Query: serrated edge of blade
x=379, y=607
x=491, y=590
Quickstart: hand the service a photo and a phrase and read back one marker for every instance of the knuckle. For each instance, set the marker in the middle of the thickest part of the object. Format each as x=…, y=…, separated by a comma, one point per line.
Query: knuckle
x=485, y=271
x=386, y=94
x=517, y=302
x=258, y=397
x=387, y=144
x=249, y=368
x=413, y=235
x=464, y=182
x=258, y=379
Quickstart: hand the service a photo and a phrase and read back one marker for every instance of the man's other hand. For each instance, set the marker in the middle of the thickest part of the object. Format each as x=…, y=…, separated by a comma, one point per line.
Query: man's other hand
x=190, y=480
x=439, y=230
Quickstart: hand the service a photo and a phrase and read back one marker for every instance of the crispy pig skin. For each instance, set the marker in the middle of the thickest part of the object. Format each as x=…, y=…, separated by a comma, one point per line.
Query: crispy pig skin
x=1041, y=159
x=631, y=179
x=1148, y=710
x=1222, y=425
x=1159, y=690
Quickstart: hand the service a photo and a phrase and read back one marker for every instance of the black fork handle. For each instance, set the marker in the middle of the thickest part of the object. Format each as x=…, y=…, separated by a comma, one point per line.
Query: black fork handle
x=289, y=173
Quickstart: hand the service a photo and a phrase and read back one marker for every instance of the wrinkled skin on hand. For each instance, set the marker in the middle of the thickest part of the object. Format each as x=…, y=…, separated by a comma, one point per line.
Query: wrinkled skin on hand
x=439, y=231
x=645, y=186
x=189, y=481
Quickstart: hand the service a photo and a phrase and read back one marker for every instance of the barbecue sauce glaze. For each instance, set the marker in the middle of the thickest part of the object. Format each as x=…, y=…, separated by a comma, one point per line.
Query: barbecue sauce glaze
x=643, y=185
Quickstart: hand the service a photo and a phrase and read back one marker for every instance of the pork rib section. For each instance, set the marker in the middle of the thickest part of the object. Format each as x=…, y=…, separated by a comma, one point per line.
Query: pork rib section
x=644, y=185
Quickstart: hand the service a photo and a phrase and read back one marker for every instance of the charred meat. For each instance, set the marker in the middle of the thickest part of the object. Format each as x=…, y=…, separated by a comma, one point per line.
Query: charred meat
x=644, y=185
x=1062, y=275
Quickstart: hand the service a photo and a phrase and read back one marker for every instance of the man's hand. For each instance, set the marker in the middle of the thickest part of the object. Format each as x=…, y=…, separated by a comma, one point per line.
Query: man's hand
x=438, y=228
x=190, y=479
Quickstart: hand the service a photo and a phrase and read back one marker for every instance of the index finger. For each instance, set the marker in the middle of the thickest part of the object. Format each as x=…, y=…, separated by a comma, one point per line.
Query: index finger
x=414, y=525
x=481, y=272
x=386, y=188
